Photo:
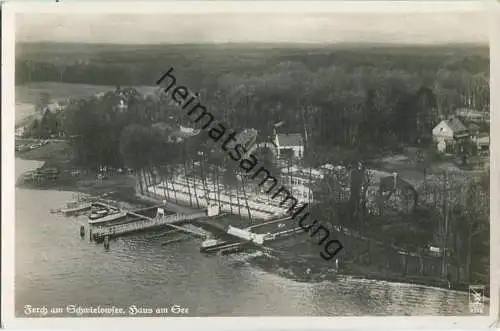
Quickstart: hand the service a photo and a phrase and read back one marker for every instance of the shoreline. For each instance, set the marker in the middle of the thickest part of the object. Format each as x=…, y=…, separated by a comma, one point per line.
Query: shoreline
x=127, y=193
x=56, y=155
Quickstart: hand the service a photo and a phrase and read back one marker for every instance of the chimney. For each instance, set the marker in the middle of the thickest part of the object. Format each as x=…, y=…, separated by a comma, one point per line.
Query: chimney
x=395, y=176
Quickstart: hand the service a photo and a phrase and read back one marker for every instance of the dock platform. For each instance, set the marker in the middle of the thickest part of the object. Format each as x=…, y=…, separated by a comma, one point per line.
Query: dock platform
x=126, y=222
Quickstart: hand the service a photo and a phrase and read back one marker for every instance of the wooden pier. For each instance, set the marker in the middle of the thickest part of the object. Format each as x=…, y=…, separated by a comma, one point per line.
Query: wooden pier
x=127, y=222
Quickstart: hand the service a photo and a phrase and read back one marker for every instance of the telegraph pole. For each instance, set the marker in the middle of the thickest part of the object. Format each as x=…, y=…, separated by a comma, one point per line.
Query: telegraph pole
x=445, y=232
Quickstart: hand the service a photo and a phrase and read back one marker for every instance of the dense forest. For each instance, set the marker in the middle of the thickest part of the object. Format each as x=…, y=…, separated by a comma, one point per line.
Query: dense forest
x=363, y=98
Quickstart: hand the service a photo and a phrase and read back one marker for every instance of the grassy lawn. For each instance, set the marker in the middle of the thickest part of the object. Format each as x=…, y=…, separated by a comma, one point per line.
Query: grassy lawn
x=60, y=155
x=56, y=153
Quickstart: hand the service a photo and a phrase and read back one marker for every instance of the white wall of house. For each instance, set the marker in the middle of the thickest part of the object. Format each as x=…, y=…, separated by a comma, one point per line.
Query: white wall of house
x=442, y=132
x=441, y=146
x=443, y=136
x=298, y=151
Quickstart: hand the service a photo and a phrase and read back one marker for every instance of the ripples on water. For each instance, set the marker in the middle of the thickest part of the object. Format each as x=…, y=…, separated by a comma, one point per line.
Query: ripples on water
x=54, y=267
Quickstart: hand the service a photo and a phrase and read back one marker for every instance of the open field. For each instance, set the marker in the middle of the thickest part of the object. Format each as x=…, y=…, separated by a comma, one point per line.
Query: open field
x=24, y=111
x=27, y=95
x=30, y=93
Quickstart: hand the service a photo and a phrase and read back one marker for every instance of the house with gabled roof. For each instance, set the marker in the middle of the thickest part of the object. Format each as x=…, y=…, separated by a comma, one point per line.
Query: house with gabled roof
x=289, y=143
x=448, y=133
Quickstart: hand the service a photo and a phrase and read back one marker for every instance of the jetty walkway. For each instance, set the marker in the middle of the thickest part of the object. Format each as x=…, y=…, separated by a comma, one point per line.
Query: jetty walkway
x=125, y=222
x=114, y=230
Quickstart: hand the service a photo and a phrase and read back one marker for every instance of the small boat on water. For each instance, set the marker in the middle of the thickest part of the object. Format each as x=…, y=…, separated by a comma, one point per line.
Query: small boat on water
x=75, y=207
x=99, y=210
x=109, y=218
x=100, y=213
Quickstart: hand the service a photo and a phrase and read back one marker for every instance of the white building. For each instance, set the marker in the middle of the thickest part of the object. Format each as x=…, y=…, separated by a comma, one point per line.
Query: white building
x=448, y=132
x=292, y=142
x=122, y=106
x=189, y=131
x=19, y=131
x=53, y=108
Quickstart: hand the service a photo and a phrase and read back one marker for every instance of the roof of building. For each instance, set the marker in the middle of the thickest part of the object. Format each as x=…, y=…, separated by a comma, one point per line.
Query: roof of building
x=473, y=127
x=292, y=139
x=247, y=137
x=52, y=108
x=455, y=124
x=46, y=111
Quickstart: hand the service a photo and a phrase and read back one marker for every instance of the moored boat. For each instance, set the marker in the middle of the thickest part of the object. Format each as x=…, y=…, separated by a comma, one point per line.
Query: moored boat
x=100, y=210
x=75, y=208
x=96, y=214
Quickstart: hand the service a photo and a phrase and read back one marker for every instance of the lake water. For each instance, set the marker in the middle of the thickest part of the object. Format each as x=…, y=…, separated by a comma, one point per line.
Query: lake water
x=55, y=267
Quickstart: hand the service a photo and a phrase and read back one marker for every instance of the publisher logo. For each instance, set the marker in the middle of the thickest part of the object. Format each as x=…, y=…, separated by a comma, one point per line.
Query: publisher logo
x=476, y=299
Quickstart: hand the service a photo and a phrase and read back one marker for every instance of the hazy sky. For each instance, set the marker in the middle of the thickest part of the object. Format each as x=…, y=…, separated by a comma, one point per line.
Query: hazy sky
x=191, y=28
